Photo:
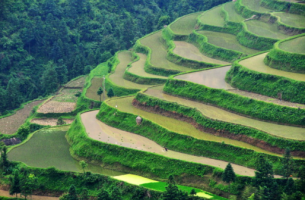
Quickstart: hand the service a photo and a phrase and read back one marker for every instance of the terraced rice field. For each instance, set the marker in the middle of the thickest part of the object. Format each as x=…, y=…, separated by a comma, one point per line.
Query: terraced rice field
x=186, y=24
x=190, y=51
x=100, y=131
x=50, y=121
x=159, y=52
x=91, y=92
x=296, y=45
x=183, y=128
x=227, y=41
x=233, y=15
x=10, y=124
x=49, y=148
x=265, y=29
x=213, y=78
x=79, y=83
x=255, y=6
x=67, y=95
x=256, y=63
x=137, y=68
x=117, y=77
x=212, y=112
x=213, y=17
x=291, y=19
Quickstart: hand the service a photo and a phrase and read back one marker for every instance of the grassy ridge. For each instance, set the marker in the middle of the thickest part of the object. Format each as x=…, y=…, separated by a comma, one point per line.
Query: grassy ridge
x=182, y=143
x=267, y=84
x=217, y=125
x=246, y=12
x=236, y=103
x=280, y=59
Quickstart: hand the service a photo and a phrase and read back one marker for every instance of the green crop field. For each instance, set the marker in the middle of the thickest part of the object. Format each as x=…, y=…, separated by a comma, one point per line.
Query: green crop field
x=159, y=52
x=117, y=77
x=223, y=115
x=49, y=148
x=138, y=68
x=233, y=15
x=291, y=19
x=213, y=17
x=227, y=41
x=181, y=127
x=296, y=45
x=256, y=63
x=255, y=6
x=265, y=29
x=185, y=25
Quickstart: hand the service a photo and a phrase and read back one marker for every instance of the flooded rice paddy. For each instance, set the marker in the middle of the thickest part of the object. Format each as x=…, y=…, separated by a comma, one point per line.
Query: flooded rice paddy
x=296, y=45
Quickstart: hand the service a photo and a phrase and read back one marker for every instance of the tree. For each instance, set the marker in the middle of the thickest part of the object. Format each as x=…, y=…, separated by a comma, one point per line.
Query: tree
x=264, y=174
x=139, y=194
x=103, y=195
x=110, y=93
x=116, y=194
x=62, y=72
x=83, y=164
x=72, y=195
x=28, y=184
x=15, y=184
x=193, y=192
x=171, y=180
x=84, y=195
x=100, y=92
x=60, y=121
x=173, y=193
x=287, y=164
x=77, y=67
x=228, y=175
x=163, y=20
x=289, y=187
x=4, y=161
x=49, y=79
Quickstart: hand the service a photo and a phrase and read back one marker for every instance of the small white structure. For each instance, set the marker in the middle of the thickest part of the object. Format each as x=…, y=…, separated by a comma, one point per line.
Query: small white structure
x=138, y=120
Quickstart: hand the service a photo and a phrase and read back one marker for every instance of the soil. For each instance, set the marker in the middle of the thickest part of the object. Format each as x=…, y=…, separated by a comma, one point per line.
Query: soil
x=9, y=125
x=4, y=193
x=102, y=132
x=56, y=107
x=221, y=133
x=78, y=83
x=50, y=121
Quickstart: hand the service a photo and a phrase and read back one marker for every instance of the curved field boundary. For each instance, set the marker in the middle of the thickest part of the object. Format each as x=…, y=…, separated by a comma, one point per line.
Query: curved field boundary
x=266, y=84
x=118, y=90
x=253, y=41
x=284, y=60
x=139, y=78
x=149, y=67
x=284, y=6
x=175, y=58
x=246, y=12
x=232, y=24
x=179, y=142
x=236, y=131
x=201, y=41
x=285, y=27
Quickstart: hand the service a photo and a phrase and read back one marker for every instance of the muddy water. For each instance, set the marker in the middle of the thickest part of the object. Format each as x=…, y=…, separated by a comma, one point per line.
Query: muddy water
x=290, y=132
x=213, y=78
x=138, y=68
x=178, y=126
x=256, y=63
x=117, y=77
x=100, y=131
x=4, y=193
x=187, y=50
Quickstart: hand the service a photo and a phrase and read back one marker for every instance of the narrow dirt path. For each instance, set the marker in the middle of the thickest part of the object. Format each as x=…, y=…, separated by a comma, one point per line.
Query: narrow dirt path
x=104, y=133
x=4, y=193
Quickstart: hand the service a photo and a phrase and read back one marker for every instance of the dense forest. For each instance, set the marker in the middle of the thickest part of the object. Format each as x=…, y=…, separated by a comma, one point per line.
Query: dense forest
x=43, y=44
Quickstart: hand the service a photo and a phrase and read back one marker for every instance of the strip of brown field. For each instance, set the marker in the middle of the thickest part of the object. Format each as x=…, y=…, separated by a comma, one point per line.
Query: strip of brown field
x=50, y=121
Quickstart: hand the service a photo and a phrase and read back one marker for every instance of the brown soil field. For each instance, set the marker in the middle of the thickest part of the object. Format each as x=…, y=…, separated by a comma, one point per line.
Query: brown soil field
x=77, y=83
x=50, y=121
x=10, y=125
x=56, y=107
x=4, y=193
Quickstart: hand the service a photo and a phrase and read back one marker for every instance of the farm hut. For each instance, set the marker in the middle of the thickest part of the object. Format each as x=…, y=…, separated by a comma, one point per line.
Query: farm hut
x=138, y=120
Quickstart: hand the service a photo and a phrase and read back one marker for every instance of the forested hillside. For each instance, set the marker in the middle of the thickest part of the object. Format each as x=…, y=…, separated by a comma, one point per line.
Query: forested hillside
x=43, y=44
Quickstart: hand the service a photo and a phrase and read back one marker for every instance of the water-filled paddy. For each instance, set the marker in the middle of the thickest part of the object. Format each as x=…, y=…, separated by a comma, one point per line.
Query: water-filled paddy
x=177, y=126
x=190, y=51
x=213, y=17
x=227, y=41
x=213, y=78
x=186, y=24
x=265, y=29
x=290, y=132
x=296, y=45
x=49, y=148
x=117, y=78
x=291, y=19
x=159, y=52
x=255, y=6
x=91, y=92
x=233, y=15
x=138, y=68
x=256, y=63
